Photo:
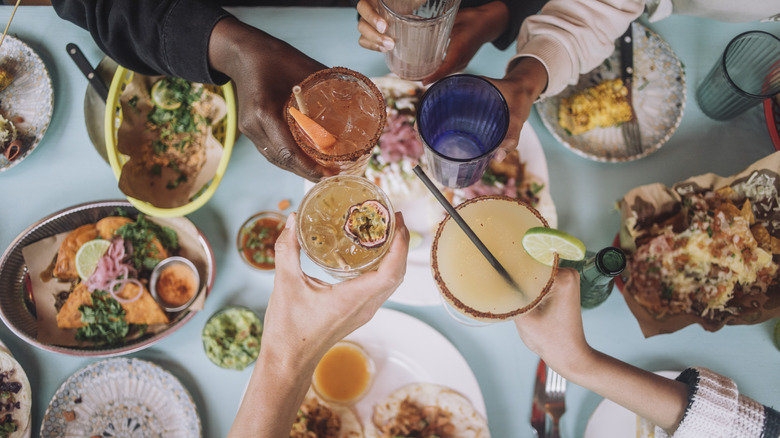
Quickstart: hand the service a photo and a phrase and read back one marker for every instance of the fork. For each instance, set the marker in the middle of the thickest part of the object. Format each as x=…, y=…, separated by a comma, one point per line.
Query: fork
x=632, y=135
x=555, y=402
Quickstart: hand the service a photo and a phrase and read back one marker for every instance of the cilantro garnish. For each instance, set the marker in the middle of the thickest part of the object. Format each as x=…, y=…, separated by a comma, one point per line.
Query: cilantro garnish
x=105, y=321
x=141, y=234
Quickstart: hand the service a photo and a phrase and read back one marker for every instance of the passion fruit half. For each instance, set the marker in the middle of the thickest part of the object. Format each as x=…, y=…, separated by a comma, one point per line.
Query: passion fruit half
x=368, y=223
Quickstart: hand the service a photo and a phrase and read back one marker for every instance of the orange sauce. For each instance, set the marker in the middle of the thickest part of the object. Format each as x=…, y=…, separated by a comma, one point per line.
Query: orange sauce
x=343, y=374
x=176, y=285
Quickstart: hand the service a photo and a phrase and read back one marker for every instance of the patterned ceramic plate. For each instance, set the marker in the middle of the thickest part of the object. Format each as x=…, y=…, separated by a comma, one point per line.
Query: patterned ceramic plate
x=121, y=397
x=29, y=100
x=658, y=94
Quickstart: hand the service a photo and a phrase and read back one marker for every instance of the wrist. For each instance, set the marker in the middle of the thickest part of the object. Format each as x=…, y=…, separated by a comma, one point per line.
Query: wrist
x=528, y=77
x=230, y=39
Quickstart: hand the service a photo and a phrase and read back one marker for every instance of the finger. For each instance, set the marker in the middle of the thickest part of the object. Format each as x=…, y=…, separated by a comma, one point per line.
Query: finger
x=371, y=17
x=373, y=40
x=288, y=250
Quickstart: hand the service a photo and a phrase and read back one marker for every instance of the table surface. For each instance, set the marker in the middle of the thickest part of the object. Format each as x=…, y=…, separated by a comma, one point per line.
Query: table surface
x=583, y=191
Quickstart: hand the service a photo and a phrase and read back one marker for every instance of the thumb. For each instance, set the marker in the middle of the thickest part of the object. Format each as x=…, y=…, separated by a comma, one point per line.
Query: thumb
x=287, y=249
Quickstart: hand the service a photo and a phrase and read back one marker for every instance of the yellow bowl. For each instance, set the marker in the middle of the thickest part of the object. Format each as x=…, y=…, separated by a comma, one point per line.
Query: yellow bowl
x=225, y=132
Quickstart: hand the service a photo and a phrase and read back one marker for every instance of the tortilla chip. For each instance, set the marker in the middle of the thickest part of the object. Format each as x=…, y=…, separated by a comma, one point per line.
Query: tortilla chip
x=65, y=269
x=144, y=310
x=747, y=212
x=730, y=210
x=762, y=236
x=775, y=245
x=69, y=315
x=727, y=192
x=108, y=225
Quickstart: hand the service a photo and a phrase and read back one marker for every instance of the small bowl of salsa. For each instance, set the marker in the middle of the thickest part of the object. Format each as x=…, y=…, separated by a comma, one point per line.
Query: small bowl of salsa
x=174, y=283
x=257, y=237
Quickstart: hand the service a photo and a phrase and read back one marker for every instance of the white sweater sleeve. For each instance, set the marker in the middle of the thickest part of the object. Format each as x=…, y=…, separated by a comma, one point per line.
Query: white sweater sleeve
x=571, y=37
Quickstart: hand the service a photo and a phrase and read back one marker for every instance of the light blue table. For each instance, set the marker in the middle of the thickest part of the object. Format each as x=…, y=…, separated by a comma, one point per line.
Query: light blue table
x=66, y=170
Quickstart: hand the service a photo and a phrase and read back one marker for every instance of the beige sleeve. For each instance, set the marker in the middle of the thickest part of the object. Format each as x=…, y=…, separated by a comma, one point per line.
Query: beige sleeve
x=571, y=37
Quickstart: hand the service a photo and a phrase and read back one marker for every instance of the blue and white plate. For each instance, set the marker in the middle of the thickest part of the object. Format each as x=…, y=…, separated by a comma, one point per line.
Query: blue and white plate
x=122, y=397
x=29, y=101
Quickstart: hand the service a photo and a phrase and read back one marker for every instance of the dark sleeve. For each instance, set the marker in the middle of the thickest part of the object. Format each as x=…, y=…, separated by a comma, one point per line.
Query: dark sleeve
x=518, y=11
x=169, y=37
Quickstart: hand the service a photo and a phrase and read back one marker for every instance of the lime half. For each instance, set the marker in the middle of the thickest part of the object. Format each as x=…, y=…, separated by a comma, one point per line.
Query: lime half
x=163, y=96
x=89, y=255
x=542, y=243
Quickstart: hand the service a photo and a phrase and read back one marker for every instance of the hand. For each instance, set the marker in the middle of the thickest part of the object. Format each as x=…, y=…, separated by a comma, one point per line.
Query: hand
x=264, y=70
x=306, y=316
x=553, y=329
x=473, y=27
x=372, y=28
x=525, y=80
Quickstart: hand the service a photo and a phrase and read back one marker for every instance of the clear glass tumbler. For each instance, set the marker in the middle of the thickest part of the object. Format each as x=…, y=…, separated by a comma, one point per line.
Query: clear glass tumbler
x=421, y=30
x=747, y=73
x=461, y=119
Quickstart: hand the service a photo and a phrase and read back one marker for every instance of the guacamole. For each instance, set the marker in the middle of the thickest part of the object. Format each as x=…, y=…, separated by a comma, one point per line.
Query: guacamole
x=231, y=337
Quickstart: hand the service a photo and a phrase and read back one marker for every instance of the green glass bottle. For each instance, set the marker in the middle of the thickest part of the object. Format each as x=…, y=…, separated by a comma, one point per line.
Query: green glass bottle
x=597, y=274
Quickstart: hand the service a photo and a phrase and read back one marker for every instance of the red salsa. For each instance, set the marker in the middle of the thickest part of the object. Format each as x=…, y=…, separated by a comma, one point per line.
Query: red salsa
x=257, y=242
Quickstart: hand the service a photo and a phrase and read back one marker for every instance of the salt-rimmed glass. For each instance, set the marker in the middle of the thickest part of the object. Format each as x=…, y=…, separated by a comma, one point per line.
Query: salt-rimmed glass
x=349, y=106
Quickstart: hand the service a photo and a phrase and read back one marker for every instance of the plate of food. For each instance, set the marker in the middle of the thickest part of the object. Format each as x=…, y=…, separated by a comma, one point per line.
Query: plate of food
x=26, y=101
x=522, y=175
x=168, y=140
x=611, y=419
x=585, y=117
x=75, y=282
x=408, y=372
x=121, y=397
x=703, y=251
x=16, y=397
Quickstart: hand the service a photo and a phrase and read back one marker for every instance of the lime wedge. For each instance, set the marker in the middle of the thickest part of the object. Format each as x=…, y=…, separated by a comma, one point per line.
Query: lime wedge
x=542, y=243
x=163, y=96
x=88, y=256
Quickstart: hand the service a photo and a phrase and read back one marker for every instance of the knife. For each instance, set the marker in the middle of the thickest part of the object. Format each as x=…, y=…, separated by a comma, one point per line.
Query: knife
x=94, y=79
x=538, y=416
x=630, y=129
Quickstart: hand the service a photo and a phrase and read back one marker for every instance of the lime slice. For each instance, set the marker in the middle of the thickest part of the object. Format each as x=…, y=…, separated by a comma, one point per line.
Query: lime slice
x=542, y=243
x=88, y=256
x=415, y=239
x=163, y=96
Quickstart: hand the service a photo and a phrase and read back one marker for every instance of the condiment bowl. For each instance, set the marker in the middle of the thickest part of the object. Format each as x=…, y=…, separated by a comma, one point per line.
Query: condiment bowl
x=249, y=236
x=157, y=294
x=231, y=337
x=345, y=374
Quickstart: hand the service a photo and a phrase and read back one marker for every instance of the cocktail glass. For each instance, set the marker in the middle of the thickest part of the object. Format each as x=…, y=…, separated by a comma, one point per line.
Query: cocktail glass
x=421, y=30
x=321, y=220
x=350, y=107
x=467, y=282
x=462, y=119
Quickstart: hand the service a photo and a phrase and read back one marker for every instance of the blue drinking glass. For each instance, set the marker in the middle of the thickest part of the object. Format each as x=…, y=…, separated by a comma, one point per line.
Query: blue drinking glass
x=461, y=119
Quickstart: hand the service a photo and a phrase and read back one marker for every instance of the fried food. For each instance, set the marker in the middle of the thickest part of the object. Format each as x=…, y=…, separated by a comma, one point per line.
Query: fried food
x=601, y=106
x=108, y=226
x=65, y=268
x=141, y=311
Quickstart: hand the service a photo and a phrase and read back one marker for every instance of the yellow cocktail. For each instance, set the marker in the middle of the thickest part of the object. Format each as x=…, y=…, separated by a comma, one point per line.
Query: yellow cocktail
x=465, y=278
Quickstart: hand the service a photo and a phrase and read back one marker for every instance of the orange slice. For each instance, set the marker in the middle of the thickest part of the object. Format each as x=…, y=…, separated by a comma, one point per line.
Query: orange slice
x=322, y=139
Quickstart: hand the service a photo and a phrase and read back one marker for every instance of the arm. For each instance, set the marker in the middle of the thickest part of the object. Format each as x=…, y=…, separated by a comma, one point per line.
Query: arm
x=571, y=37
x=305, y=317
x=554, y=331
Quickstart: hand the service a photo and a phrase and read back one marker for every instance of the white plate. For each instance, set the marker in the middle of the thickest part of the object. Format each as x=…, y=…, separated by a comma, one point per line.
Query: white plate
x=122, y=397
x=612, y=420
x=658, y=99
x=407, y=350
x=29, y=97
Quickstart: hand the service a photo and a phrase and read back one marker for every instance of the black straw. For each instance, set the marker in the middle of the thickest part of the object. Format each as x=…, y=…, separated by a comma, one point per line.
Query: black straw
x=464, y=226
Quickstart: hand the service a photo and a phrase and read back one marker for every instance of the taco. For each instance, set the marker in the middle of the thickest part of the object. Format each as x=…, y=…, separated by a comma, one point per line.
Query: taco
x=320, y=419
x=15, y=398
x=426, y=410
